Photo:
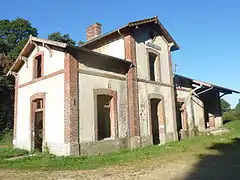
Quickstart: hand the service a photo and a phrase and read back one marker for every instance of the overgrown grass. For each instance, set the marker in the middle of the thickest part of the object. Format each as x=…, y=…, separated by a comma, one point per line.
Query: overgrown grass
x=196, y=146
x=6, y=137
x=11, y=152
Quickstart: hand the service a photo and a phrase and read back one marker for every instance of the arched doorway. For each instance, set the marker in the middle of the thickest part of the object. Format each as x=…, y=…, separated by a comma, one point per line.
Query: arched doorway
x=157, y=118
x=105, y=114
x=37, y=121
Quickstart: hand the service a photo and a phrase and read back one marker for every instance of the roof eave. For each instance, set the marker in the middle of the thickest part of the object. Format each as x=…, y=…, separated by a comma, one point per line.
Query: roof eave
x=223, y=89
x=124, y=61
x=26, y=49
x=135, y=23
x=19, y=56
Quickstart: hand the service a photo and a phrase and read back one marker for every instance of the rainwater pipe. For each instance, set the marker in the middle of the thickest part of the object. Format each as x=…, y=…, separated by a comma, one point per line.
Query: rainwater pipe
x=120, y=33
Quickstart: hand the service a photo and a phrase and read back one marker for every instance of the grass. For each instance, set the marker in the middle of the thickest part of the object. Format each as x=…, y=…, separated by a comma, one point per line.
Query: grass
x=6, y=138
x=44, y=161
x=11, y=152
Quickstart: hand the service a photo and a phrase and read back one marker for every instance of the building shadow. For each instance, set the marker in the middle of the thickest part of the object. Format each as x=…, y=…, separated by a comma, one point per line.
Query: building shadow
x=224, y=165
x=226, y=121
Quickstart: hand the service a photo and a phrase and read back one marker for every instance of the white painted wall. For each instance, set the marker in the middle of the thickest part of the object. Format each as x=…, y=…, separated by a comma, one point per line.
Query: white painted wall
x=115, y=48
x=54, y=106
x=51, y=64
x=54, y=113
x=86, y=104
x=198, y=110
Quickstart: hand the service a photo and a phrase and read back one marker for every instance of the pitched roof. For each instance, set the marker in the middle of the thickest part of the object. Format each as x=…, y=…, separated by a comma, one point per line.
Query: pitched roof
x=216, y=87
x=99, y=40
x=33, y=41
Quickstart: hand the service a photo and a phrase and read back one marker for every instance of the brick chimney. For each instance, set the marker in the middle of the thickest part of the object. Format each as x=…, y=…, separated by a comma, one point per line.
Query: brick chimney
x=93, y=30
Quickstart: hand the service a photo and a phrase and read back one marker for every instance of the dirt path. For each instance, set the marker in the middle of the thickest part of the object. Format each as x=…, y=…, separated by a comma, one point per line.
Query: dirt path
x=221, y=162
x=148, y=169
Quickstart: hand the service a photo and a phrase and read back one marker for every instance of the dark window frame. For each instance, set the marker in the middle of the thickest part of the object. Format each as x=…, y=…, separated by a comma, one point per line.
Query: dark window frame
x=38, y=65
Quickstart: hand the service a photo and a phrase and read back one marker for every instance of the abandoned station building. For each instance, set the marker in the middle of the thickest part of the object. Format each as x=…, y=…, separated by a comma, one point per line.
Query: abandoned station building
x=116, y=90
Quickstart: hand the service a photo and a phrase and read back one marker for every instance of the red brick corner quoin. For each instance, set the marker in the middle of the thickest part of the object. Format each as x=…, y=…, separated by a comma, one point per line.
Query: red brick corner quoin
x=71, y=135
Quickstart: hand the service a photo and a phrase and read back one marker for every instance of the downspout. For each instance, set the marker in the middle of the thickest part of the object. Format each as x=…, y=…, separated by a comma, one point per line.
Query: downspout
x=120, y=33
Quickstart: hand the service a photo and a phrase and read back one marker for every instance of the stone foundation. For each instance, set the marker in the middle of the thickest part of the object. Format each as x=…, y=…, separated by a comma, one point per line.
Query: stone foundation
x=113, y=145
x=102, y=147
x=218, y=122
x=170, y=137
x=146, y=141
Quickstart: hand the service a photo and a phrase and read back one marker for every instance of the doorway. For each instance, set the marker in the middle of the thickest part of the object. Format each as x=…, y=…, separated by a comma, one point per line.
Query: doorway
x=154, y=103
x=182, y=124
x=103, y=116
x=37, y=129
x=179, y=118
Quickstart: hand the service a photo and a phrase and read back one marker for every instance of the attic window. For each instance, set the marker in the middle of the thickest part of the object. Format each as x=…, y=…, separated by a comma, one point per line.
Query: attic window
x=154, y=69
x=152, y=66
x=38, y=66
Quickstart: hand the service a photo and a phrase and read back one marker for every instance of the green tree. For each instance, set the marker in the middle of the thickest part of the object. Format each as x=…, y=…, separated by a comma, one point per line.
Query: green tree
x=238, y=105
x=13, y=36
x=65, y=38
x=233, y=114
x=225, y=106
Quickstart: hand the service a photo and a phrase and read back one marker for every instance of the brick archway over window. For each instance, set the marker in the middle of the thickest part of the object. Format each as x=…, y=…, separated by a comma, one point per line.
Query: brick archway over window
x=113, y=111
x=161, y=116
x=34, y=98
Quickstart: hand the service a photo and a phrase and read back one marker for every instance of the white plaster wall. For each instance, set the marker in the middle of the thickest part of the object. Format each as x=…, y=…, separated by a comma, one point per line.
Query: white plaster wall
x=86, y=104
x=54, y=113
x=51, y=64
x=182, y=94
x=90, y=69
x=144, y=89
x=115, y=48
x=198, y=113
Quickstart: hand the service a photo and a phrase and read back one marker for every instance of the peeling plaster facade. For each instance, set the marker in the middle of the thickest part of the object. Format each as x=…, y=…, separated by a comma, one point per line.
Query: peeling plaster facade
x=194, y=109
x=72, y=80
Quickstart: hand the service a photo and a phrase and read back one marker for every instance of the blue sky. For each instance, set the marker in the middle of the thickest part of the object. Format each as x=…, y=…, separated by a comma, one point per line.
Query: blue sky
x=207, y=31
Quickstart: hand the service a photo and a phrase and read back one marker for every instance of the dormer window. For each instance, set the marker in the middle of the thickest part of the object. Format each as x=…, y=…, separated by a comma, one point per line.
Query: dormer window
x=38, y=66
x=154, y=66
